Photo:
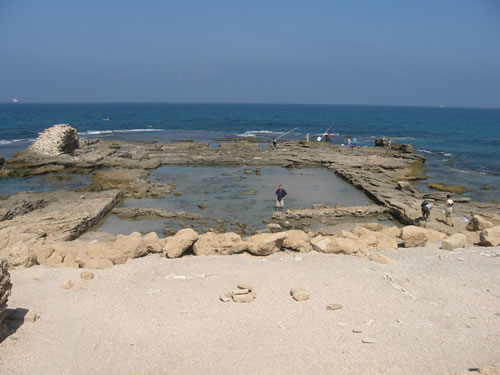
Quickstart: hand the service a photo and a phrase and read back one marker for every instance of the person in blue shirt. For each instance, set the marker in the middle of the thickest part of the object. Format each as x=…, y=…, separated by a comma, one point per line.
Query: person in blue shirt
x=280, y=198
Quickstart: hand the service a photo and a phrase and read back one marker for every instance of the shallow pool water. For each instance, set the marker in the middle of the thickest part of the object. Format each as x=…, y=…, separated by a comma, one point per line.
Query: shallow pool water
x=42, y=183
x=222, y=190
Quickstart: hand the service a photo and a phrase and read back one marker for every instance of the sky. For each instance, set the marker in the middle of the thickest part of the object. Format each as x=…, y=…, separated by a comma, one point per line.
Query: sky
x=384, y=52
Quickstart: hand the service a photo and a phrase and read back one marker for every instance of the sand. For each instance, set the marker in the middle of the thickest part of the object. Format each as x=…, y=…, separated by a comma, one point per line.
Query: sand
x=434, y=312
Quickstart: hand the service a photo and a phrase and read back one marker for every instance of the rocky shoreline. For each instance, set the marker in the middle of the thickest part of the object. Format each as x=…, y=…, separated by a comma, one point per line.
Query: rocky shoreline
x=32, y=225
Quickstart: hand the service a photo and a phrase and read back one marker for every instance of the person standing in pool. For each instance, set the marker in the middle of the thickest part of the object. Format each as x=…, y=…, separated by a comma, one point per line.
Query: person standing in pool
x=449, y=210
x=280, y=198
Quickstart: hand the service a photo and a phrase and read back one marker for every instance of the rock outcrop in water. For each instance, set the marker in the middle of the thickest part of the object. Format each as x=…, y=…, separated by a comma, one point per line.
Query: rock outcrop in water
x=58, y=139
x=5, y=288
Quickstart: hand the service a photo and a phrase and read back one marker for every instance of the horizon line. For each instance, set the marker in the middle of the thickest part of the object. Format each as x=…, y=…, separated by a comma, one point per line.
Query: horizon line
x=441, y=106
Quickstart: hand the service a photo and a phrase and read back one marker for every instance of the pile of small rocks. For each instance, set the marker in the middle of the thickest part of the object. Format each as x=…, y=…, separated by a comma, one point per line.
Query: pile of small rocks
x=242, y=294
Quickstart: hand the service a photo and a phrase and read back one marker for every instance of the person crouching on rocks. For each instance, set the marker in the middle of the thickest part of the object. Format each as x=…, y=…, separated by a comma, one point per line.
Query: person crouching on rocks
x=280, y=198
x=449, y=210
x=426, y=210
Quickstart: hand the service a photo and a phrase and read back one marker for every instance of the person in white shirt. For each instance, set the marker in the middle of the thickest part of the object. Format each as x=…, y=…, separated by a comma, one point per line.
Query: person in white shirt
x=449, y=210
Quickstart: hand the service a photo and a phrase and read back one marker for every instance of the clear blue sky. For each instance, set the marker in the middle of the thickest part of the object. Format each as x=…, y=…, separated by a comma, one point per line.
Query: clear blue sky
x=324, y=51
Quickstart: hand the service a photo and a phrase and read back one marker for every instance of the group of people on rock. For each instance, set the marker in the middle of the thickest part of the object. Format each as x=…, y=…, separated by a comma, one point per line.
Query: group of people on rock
x=448, y=210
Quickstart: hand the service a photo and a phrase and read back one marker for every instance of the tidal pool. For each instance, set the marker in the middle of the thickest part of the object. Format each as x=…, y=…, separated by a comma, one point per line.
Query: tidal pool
x=42, y=183
x=234, y=196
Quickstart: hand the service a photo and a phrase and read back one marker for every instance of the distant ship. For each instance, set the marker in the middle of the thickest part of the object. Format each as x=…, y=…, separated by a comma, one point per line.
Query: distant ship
x=15, y=100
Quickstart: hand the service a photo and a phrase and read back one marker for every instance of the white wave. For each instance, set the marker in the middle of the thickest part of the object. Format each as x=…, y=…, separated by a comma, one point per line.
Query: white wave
x=425, y=151
x=97, y=132
x=8, y=142
x=447, y=154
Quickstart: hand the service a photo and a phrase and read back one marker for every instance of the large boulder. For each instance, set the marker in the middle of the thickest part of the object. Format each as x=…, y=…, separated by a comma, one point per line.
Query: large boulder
x=490, y=236
x=434, y=235
x=478, y=223
x=152, y=242
x=177, y=244
x=391, y=231
x=454, y=241
x=56, y=140
x=413, y=236
x=132, y=246
x=5, y=289
x=334, y=245
x=265, y=243
x=219, y=244
x=297, y=240
x=386, y=242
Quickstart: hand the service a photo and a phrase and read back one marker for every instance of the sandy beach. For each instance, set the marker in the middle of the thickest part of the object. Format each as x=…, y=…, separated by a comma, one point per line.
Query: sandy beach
x=434, y=312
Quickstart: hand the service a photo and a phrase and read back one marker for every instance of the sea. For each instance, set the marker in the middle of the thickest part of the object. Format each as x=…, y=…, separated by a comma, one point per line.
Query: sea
x=461, y=144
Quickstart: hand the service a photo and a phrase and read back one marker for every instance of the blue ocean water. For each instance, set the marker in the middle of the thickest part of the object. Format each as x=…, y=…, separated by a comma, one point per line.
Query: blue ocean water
x=461, y=145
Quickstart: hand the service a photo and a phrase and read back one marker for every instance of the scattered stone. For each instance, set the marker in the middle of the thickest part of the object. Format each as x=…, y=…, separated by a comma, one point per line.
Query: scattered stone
x=247, y=171
x=368, y=340
x=244, y=298
x=245, y=286
x=490, y=236
x=176, y=245
x=386, y=242
x=86, y=275
x=454, y=241
x=177, y=193
x=132, y=245
x=391, y=231
x=274, y=227
x=202, y=206
x=356, y=330
x=478, y=223
x=219, y=244
x=225, y=298
x=152, y=242
x=297, y=240
x=68, y=284
x=240, y=295
x=413, y=236
x=265, y=243
x=334, y=306
x=299, y=294
x=240, y=291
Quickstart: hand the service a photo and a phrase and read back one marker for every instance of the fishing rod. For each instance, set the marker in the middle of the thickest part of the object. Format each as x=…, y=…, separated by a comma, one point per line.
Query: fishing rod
x=286, y=133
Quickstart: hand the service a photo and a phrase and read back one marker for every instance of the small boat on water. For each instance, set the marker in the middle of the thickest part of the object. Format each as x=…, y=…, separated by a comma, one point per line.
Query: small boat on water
x=105, y=119
x=15, y=100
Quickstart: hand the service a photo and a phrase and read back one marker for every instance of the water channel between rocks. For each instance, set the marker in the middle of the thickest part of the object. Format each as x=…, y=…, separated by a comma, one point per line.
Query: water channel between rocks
x=234, y=196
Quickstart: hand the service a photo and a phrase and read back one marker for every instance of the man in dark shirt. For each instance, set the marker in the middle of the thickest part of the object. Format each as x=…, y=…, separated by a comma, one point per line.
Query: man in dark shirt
x=280, y=198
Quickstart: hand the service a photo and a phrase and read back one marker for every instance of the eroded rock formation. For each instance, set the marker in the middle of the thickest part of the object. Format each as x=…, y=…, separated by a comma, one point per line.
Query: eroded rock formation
x=57, y=139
